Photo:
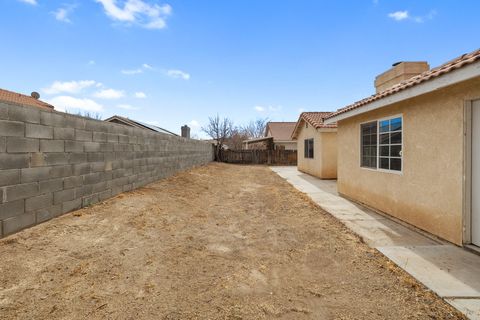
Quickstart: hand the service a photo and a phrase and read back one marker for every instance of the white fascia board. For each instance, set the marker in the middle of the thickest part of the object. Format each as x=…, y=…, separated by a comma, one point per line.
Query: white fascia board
x=465, y=73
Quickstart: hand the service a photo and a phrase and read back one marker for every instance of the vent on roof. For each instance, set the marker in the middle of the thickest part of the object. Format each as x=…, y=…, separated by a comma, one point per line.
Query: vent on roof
x=35, y=95
x=186, y=131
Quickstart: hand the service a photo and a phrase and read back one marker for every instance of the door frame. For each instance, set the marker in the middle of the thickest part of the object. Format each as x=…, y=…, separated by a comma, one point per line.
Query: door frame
x=467, y=172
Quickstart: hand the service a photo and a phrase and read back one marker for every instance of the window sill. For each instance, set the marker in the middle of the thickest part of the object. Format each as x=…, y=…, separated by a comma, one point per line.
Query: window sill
x=400, y=173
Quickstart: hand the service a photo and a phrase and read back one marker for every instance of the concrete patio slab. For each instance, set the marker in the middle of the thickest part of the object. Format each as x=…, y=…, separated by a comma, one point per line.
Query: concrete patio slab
x=451, y=272
x=385, y=232
x=445, y=269
x=342, y=208
x=375, y=229
x=469, y=307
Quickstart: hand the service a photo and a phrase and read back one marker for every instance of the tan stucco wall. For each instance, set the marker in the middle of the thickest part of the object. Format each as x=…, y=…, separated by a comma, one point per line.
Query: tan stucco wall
x=429, y=191
x=324, y=162
x=290, y=145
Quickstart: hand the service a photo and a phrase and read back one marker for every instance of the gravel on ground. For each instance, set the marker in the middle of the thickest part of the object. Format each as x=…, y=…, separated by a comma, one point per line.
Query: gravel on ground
x=215, y=242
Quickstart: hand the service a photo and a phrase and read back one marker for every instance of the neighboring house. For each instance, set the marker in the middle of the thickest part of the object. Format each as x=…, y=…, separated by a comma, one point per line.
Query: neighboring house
x=216, y=143
x=412, y=150
x=138, y=124
x=316, y=145
x=262, y=143
x=32, y=100
x=278, y=135
x=282, y=134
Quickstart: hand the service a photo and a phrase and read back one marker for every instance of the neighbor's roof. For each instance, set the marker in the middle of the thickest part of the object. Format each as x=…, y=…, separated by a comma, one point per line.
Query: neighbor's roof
x=255, y=140
x=450, y=66
x=280, y=131
x=315, y=119
x=138, y=124
x=21, y=99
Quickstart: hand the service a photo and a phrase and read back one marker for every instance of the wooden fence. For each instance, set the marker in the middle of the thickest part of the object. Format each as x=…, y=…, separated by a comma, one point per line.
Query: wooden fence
x=269, y=157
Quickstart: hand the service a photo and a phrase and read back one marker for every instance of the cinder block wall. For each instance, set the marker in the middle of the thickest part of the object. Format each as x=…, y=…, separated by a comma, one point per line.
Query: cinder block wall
x=52, y=163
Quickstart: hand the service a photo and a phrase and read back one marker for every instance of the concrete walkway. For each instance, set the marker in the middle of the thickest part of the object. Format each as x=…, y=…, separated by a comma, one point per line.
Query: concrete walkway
x=451, y=272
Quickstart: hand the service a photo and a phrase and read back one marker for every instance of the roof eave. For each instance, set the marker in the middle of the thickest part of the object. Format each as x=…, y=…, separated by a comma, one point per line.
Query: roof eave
x=255, y=140
x=297, y=126
x=453, y=77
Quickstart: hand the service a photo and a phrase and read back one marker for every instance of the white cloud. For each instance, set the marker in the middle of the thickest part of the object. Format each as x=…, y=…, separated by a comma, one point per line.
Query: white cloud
x=109, y=94
x=178, y=74
x=271, y=109
x=194, y=124
x=127, y=107
x=132, y=71
x=140, y=95
x=274, y=108
x=405, y=15
x=91, y=63
x=150, y=16
x=32, y=2
x=68, y=86
x=62, y=103
x=428, y=16
x=61, y=14
x=399, y=15
x=138, y=70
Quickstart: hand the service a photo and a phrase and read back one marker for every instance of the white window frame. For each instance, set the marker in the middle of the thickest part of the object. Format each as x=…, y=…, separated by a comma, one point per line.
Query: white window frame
x=378, y=169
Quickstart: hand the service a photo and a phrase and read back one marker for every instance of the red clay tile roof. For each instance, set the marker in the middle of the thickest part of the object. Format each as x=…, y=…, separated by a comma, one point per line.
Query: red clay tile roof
x=315, y=119
x=21, y=99
x=454, y=64
x=281, y=131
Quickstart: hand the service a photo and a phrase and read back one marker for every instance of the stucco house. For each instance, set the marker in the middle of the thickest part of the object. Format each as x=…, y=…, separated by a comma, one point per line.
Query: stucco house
x=412, y=150
x=138, y=124
x=33, y=100
x=277, y=136
x=282, y=134
x=316, y=145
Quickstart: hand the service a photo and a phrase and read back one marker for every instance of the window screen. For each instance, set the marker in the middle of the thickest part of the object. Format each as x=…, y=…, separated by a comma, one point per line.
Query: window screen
x=369, y=145
x=308, y=148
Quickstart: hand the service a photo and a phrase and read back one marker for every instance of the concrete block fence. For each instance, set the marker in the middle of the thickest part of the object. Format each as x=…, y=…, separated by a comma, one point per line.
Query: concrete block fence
x=52, y=163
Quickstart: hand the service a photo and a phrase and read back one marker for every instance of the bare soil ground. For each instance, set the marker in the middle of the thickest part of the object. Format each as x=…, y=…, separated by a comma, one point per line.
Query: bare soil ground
x=216, y=242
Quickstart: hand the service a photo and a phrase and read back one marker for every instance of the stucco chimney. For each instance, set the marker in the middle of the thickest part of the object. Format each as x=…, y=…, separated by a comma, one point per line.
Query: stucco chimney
x=186, y=131
x=399, y=72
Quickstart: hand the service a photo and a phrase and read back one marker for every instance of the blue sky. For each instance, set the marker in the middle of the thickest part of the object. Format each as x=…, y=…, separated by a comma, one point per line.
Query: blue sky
x=178, y=62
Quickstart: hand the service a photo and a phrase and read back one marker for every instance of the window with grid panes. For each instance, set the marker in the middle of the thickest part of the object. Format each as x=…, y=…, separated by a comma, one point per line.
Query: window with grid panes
x=308, y=148
x=369, y=145
x=390, y=144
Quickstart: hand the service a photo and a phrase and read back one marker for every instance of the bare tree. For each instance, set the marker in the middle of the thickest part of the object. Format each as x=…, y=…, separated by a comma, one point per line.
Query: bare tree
x=88, y=114
x=219, y=130
x=235, y=141
x=255, y=128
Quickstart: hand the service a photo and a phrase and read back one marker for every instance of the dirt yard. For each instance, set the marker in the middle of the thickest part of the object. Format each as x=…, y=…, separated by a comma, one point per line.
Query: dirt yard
x=217, y=242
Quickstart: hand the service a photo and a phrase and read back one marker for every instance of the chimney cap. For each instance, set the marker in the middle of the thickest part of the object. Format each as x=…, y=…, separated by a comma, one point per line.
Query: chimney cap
x=35, y=95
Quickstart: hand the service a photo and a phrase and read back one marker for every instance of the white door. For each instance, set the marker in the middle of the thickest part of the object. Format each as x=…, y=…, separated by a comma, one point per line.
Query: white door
x=476, y=173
